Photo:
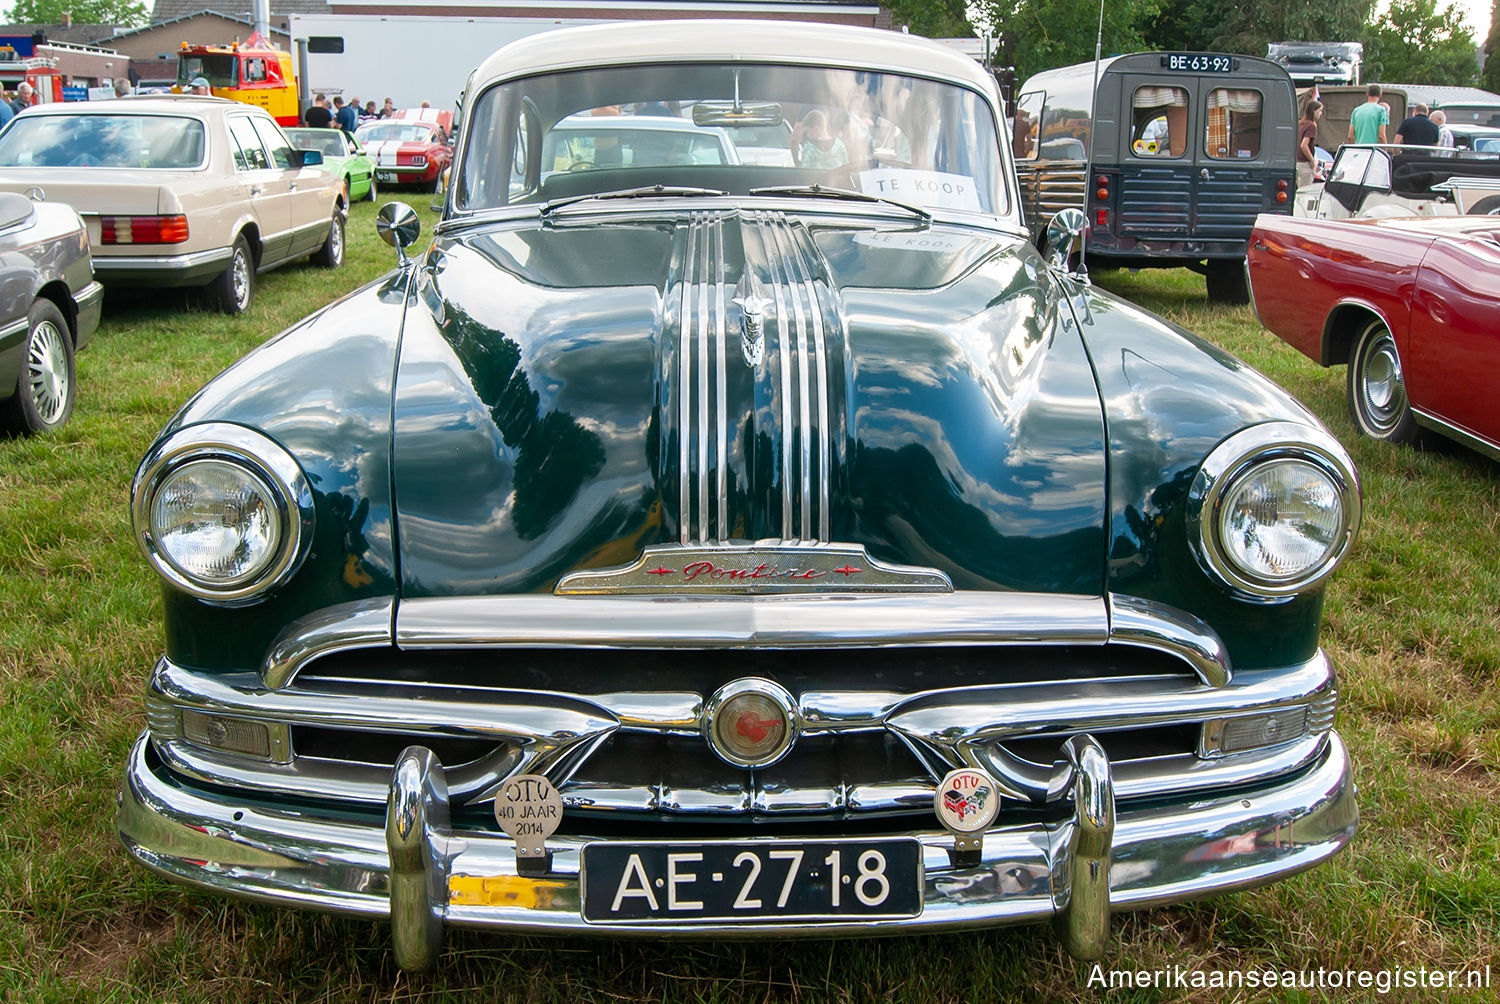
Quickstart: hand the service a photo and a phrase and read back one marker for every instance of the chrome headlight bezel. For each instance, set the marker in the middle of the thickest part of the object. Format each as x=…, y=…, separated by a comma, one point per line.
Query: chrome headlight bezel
x=263, y=460
x=1224, y=471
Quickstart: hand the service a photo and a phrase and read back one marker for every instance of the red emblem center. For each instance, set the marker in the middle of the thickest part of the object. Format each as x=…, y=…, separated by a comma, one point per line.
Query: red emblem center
x=755, y=728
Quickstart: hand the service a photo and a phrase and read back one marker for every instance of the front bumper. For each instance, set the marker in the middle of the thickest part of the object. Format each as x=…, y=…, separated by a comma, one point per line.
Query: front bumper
x=424, y=873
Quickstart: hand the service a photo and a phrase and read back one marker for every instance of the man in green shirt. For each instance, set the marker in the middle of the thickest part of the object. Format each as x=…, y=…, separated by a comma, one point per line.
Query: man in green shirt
x=1367, y=124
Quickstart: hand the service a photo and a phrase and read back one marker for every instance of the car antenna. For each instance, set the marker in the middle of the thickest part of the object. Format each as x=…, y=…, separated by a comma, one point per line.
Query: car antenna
x=1088, y=162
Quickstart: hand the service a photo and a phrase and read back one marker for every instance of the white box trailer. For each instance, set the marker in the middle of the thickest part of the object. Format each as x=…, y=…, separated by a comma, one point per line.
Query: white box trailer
x=406, y=59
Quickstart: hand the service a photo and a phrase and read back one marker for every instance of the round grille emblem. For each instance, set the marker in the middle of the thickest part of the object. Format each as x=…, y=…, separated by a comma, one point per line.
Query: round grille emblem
x=751, y=722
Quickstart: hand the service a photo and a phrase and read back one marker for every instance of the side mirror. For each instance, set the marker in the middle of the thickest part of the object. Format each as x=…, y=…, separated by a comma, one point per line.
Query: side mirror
x=398, y=225
x=1065, y=229
x=311, y=158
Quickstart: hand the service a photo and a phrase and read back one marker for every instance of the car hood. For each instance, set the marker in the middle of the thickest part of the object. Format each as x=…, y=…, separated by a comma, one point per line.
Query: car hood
x=572, y=392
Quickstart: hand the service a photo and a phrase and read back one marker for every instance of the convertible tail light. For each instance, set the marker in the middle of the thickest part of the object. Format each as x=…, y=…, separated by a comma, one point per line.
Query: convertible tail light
x=143, y=229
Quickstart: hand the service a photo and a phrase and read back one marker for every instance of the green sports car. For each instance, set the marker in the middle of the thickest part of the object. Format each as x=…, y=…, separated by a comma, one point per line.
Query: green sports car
x=343, y=156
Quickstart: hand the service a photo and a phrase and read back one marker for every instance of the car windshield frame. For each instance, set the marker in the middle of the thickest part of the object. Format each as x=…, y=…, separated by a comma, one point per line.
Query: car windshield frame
x=115, y=140
x=929, y=141
x=428, y=131
x=298, y=134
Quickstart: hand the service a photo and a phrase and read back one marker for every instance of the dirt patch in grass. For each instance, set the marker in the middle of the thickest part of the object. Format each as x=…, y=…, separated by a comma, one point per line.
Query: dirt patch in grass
x=105, y=951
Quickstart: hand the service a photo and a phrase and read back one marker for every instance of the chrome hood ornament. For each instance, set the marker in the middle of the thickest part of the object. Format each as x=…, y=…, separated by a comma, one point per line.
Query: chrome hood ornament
x=750, y=297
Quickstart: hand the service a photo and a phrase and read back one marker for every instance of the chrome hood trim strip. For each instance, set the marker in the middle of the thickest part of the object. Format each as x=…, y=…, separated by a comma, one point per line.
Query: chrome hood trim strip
x=795, y=621
x=803, y=620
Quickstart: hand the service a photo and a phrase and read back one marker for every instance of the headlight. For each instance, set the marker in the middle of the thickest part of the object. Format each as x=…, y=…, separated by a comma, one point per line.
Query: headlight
x=222, y=512
x=1274, y=509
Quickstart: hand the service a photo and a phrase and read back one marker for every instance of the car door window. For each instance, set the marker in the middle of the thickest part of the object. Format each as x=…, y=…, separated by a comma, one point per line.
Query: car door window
x=249, y=154
x=1158, y=120
x=281, y=150
x=1233, y=124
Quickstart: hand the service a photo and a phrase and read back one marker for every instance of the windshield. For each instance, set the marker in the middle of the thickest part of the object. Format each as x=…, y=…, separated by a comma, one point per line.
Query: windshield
x=732, y=128
x=219, y=69
x=395, y=132
x=328, y=142
x=83, y=140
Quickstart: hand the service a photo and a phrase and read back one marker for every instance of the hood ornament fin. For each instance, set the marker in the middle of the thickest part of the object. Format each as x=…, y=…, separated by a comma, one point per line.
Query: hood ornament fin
x=750, y=296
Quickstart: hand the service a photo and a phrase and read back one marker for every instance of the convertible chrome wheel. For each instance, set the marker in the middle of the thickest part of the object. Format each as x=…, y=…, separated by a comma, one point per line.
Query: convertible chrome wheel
x=1377, y=392
x=44, y=391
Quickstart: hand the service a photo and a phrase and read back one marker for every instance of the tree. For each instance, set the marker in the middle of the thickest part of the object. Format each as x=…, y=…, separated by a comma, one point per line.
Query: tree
x=1038, y=35
x=127, y=12
x=1490, y=80
x=1214, y=26
x=931, y=18
x=1413, y=43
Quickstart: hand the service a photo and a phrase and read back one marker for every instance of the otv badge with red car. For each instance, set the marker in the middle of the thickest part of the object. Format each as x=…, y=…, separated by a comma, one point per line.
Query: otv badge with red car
x=966, y=801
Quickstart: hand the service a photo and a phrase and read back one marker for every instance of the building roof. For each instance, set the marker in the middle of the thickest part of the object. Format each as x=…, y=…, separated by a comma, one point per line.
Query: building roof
x=73, y=34
x=196, y=13
x=171, y=10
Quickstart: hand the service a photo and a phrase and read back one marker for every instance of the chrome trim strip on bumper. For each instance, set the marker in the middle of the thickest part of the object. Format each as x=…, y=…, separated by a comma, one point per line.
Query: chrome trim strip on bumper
x=105, y=264
x=554, y=734
x=344, y=864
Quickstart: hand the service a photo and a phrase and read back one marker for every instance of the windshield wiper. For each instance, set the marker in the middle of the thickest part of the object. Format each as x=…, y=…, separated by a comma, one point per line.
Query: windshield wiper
x=820, y=192
x=644, y=192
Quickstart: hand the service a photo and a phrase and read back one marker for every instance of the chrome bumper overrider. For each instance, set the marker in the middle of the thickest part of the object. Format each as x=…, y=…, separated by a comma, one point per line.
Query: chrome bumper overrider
x=424, y=872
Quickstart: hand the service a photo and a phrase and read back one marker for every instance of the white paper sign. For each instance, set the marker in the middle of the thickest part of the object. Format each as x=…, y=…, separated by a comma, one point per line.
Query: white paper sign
x=924, y=188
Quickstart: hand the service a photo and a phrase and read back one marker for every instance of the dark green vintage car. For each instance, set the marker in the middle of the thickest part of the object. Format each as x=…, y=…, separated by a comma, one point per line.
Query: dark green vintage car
x=761, y=546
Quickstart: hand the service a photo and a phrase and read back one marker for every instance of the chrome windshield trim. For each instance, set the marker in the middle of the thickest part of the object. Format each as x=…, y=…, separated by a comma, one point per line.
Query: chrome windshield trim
x=786, y=621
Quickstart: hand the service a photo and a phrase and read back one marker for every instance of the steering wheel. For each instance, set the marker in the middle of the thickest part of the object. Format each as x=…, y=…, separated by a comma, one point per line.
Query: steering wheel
x=580, y=165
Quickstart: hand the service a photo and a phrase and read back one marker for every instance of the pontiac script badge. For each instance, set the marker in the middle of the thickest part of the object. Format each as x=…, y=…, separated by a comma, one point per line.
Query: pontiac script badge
x=763, y=568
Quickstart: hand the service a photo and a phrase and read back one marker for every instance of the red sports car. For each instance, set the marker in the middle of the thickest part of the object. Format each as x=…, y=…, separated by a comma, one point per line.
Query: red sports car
x=413, y=147
x=1412, y=305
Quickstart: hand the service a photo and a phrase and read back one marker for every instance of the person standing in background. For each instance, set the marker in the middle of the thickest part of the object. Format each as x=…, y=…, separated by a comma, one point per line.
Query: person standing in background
x=1445, y=135
x=1417, y=129
x=1307, y=144
x=317, y=115
x=344, y=116
x=6, y=111
x=22, y=99
x=1368, y=122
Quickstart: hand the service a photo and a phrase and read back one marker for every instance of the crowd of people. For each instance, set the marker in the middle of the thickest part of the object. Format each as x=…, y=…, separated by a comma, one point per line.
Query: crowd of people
x=346, y=115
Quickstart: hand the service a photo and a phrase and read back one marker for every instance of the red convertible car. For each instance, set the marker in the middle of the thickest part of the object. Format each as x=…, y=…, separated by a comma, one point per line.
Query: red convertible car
x=1412, y=305
x=413, y=147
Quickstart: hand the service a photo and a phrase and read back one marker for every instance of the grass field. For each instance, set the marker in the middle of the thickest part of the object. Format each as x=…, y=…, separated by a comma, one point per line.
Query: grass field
x=1413, y=622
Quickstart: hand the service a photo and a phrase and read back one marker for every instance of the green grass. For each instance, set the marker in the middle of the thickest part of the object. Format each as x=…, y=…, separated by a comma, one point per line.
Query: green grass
x=1413, y=622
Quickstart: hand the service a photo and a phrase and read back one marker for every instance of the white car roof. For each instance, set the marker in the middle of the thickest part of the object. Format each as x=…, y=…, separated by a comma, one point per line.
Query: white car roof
x=714, y=41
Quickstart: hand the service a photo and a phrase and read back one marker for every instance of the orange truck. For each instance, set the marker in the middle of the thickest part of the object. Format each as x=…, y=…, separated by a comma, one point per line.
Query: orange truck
x=255, y=72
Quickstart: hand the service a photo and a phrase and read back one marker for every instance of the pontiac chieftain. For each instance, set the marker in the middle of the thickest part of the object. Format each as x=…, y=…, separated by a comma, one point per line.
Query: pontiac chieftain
x=771, y=548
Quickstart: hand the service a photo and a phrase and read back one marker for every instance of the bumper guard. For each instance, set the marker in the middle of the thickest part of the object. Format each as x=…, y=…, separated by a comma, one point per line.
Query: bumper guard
x=424, y=873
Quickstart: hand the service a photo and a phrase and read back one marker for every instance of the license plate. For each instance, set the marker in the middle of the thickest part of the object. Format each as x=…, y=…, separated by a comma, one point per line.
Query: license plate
x=385, y=175
x=683, y=883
